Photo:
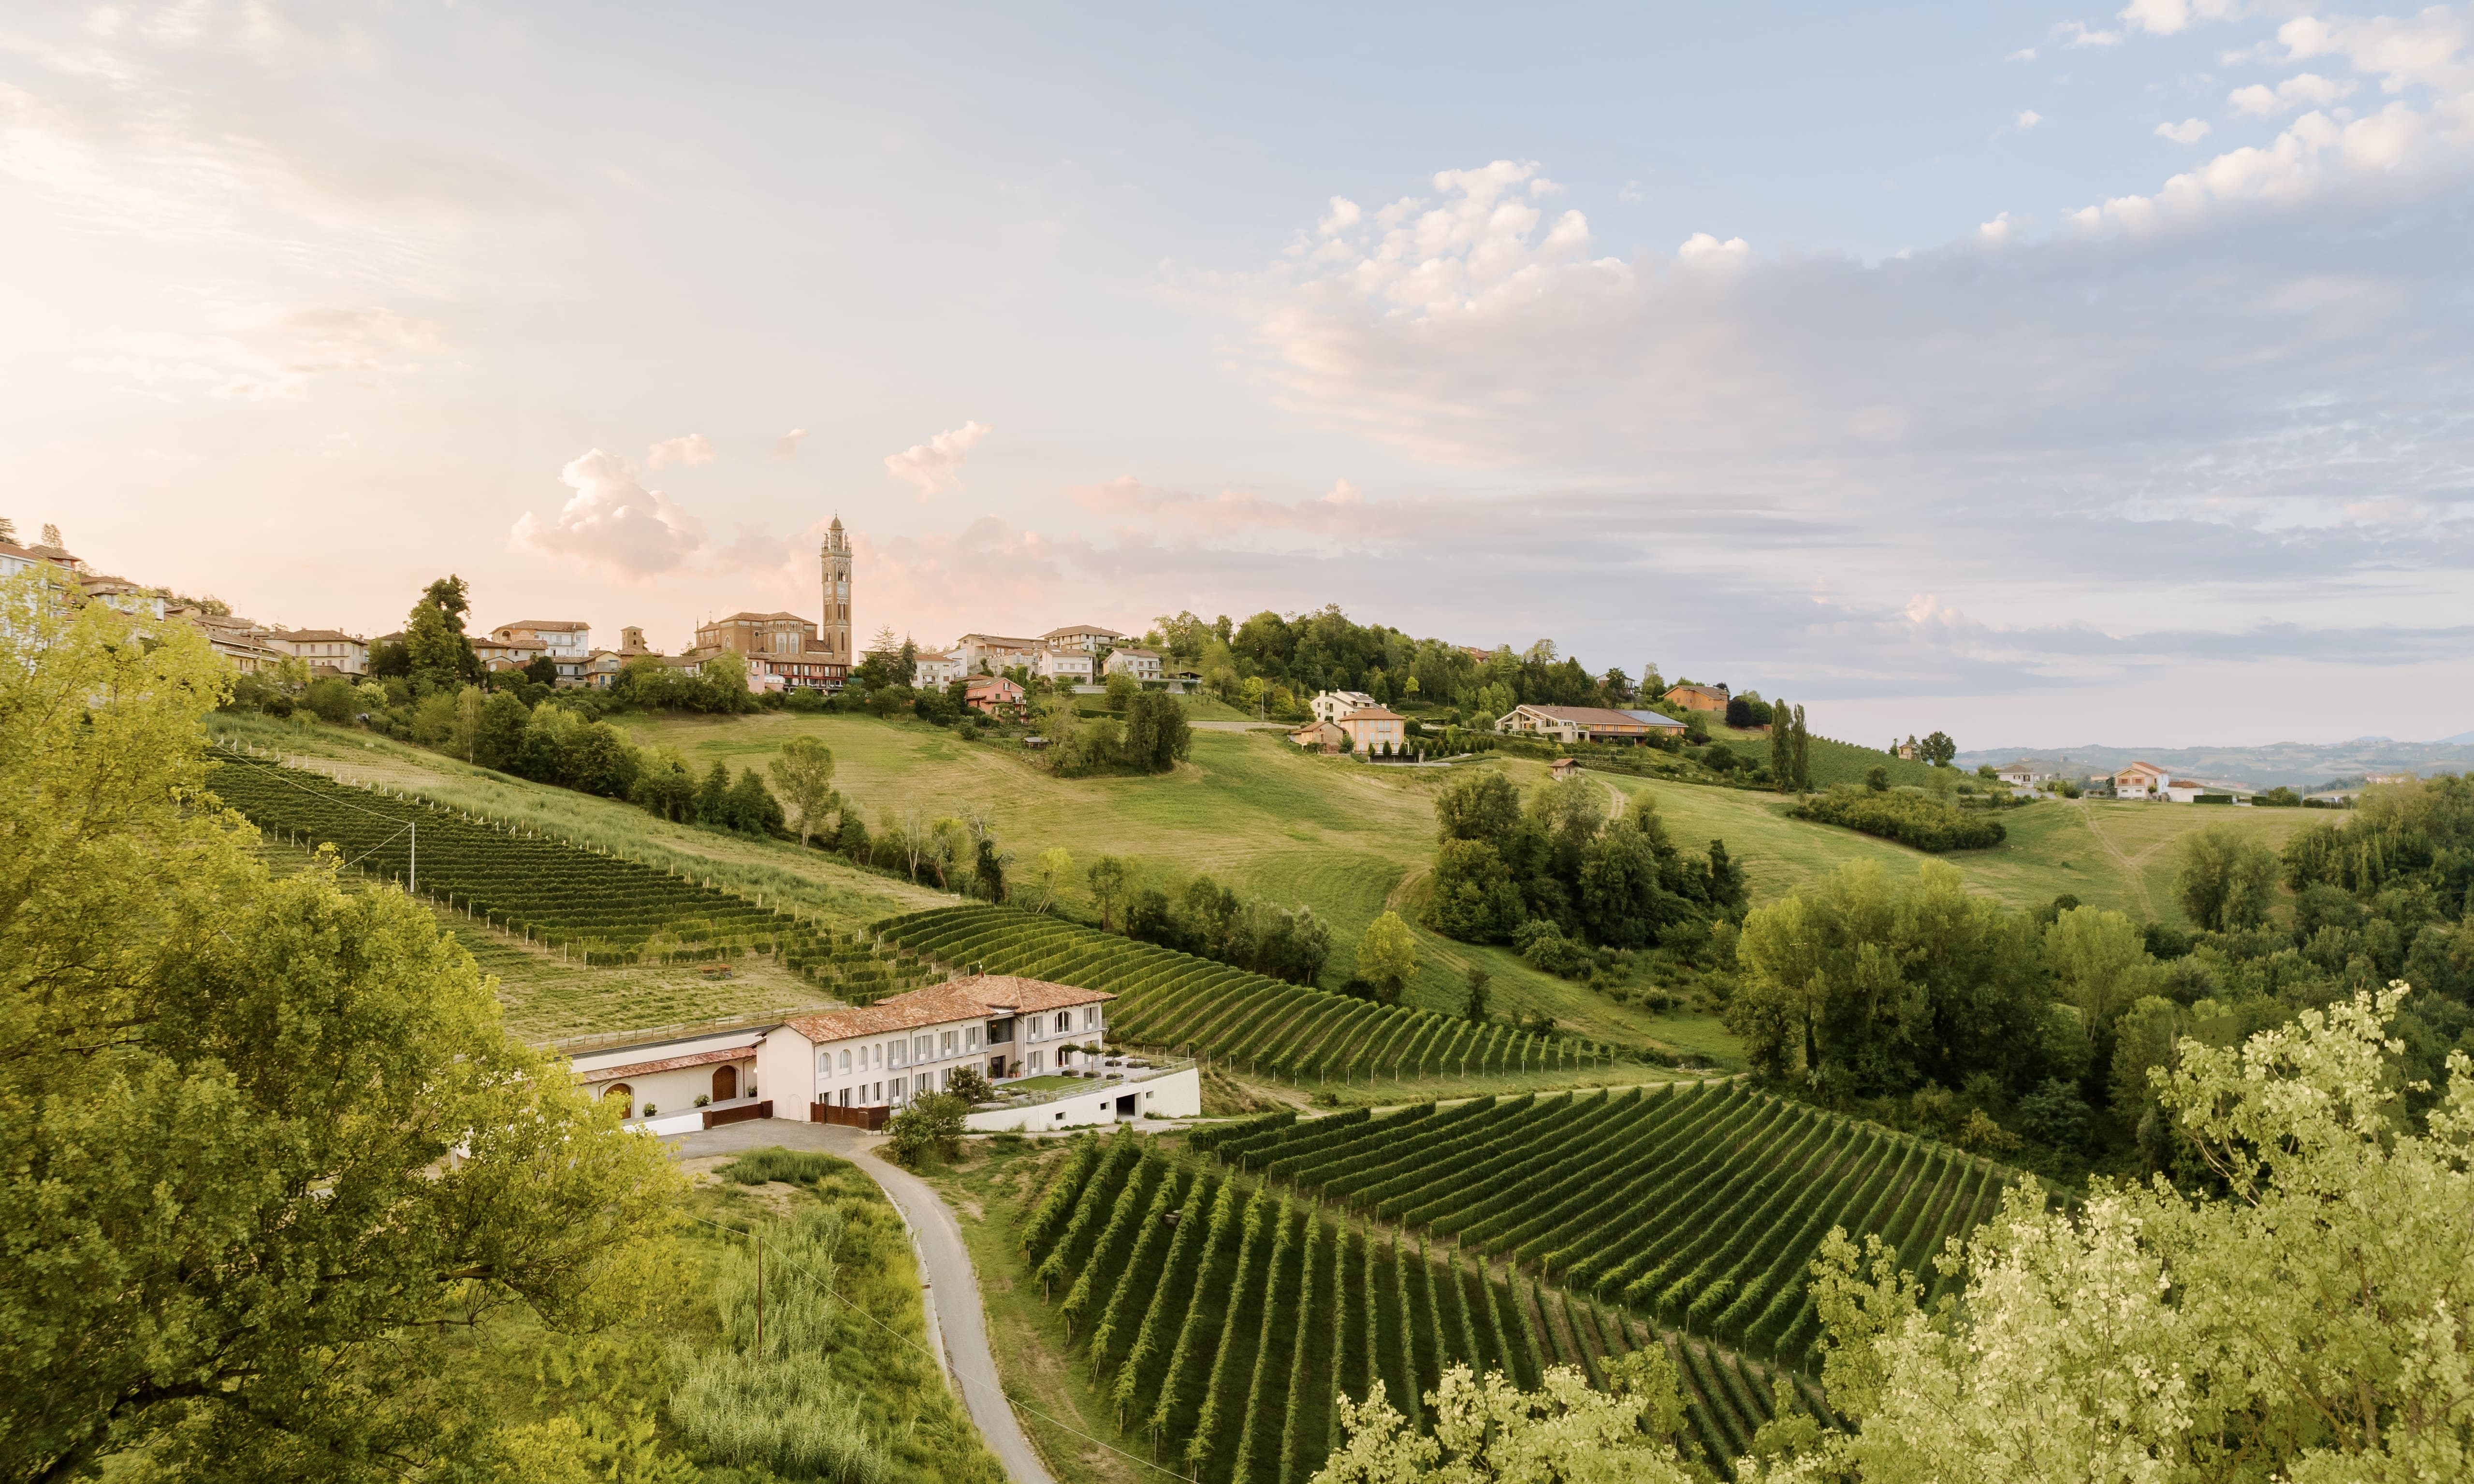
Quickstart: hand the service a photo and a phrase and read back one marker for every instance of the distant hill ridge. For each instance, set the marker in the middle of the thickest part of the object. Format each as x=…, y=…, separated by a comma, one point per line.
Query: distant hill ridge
x=2301, y=765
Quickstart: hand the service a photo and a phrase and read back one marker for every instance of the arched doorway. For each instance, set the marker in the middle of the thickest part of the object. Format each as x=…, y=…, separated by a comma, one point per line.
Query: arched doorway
x=622, y=1094
x=725, y=1084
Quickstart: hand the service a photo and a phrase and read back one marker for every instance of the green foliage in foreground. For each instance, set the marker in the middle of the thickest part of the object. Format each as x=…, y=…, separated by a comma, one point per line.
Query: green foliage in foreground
x=2301, y=1313
x=271, y=1153
x=2302, y=1316
x=1910, y=819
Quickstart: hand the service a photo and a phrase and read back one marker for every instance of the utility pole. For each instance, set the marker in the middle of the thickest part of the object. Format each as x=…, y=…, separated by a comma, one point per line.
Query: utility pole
x=760, y=1294
x=416, y=854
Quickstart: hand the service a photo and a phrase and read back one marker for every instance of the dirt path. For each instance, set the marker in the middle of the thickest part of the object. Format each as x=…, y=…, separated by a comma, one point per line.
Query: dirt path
x=957, y=1326
x=2129, y=866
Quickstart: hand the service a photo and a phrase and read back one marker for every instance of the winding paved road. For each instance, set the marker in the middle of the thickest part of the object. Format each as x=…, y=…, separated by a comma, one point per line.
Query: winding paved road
x=953, y=1289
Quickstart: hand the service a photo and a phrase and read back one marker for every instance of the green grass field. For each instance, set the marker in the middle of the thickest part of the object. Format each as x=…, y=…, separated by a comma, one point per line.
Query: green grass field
x=1346, y=838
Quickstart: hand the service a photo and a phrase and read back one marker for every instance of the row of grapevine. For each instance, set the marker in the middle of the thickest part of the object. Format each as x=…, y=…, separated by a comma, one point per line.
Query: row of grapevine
x=596, y=907
x=1221, y=1317
x=1697, y=1206
x=1167, y=998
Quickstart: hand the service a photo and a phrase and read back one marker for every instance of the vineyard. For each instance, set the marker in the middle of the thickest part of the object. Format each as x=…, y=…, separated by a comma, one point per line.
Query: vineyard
x=1699, y=1206
x=1220, y=1317
x=599, y=908
x=1171, y=1000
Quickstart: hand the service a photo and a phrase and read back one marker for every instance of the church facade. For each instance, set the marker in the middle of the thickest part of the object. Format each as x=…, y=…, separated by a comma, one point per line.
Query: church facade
x=783, y=649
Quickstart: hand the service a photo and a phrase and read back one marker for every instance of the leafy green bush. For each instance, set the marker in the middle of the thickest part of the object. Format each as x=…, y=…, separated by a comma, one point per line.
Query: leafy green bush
x=1910, y=819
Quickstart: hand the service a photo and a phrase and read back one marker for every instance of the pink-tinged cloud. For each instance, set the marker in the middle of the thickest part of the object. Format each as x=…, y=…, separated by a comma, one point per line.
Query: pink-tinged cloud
x=690, y=448
x=612, y=521
x=938, y=464
x=787, y=444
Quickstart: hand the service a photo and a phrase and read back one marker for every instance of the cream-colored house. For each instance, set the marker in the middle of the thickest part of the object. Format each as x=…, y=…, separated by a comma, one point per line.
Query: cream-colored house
x=1063, y=664
x=2141, y=781
x=935, y=667
x=1085, y=638
x=1143, y=664
x=1330, y=706
x=347, y=652
x=1372, y=730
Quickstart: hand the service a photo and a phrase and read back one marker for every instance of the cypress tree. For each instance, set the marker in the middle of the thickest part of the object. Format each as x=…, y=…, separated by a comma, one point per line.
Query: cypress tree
x=1782, y=754
x=1803, y=774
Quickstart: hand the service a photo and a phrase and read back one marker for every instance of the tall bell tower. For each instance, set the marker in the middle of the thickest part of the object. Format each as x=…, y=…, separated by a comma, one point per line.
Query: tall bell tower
x=835, y=633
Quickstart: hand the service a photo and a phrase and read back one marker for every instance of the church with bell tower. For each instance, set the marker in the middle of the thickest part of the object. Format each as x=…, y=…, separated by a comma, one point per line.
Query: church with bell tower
x=834, y=634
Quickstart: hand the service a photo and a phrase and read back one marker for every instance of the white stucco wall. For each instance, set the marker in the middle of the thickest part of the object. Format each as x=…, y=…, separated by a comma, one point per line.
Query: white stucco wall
x=1177, y=1094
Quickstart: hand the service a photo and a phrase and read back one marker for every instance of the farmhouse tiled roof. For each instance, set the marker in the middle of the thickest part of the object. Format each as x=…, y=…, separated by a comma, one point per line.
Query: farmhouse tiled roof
x=1373, y=713
x=546, y=623
x=669, y=1064
x=315, y=636
x=963, y=999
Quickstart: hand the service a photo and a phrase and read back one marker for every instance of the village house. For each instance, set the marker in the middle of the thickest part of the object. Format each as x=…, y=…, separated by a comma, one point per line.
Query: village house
x=1087, y=638
x=991, y=694
x=567, y=641
x=240, y=640
x=345, y=654
x=1143, y=664
x=500, y=655
x=2140, y=780
x=1322, y=736
x=1330, y=706
x=1698, y=698
x=1374, y=730
x=1063, y=664
x=2022, y=774
x=1585, y=723
x=994, y=654
x=935, y=667
x=1563, y=768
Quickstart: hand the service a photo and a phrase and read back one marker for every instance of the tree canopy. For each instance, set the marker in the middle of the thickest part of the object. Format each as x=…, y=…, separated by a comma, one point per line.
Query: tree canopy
x=270, y=1148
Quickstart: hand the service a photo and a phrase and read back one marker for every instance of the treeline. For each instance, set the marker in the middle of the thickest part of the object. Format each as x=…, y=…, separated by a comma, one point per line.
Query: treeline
x=1208, y=921
x=2037, y=1035
x=1901, y=815
x=1274, y=662
x=1556, y=874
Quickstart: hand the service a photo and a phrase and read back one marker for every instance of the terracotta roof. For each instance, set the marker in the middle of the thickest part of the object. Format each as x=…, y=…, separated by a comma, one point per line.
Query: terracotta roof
x=963, y=999
x=315, y=636
x=1589, y=716
x=1139, y=654
x=669, y=1064
x=1373, y=713
x=755, y=617
x=546, y=623
x=1069, y=632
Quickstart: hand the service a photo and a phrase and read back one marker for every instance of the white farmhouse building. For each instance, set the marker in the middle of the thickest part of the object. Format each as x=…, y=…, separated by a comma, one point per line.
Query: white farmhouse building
x=856, y=1066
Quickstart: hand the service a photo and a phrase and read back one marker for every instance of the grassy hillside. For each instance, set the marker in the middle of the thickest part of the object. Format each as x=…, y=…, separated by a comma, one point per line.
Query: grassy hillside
x=2115, y=856
x=1343, y=837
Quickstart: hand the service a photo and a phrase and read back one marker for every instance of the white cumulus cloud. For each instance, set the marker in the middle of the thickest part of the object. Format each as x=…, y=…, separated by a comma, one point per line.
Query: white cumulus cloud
x=688, y=448
x=2168, y=17
x=2190, y=131
x=787, y=444
x=2309, y=90
x=936, y=463
x=612, y=521
x=2029, y=118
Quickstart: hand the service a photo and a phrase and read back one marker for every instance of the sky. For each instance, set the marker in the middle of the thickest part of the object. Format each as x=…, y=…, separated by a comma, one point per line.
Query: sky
x=2041, y=375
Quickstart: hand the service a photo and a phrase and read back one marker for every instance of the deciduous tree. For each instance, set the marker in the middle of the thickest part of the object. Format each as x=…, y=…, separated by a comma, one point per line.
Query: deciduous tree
x=803, y=779
x=271, y=1152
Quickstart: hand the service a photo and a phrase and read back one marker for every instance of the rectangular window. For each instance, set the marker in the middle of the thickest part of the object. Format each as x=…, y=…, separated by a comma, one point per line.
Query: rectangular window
x=1034, y=1059
x=971, y=1039
x=945, y=1045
